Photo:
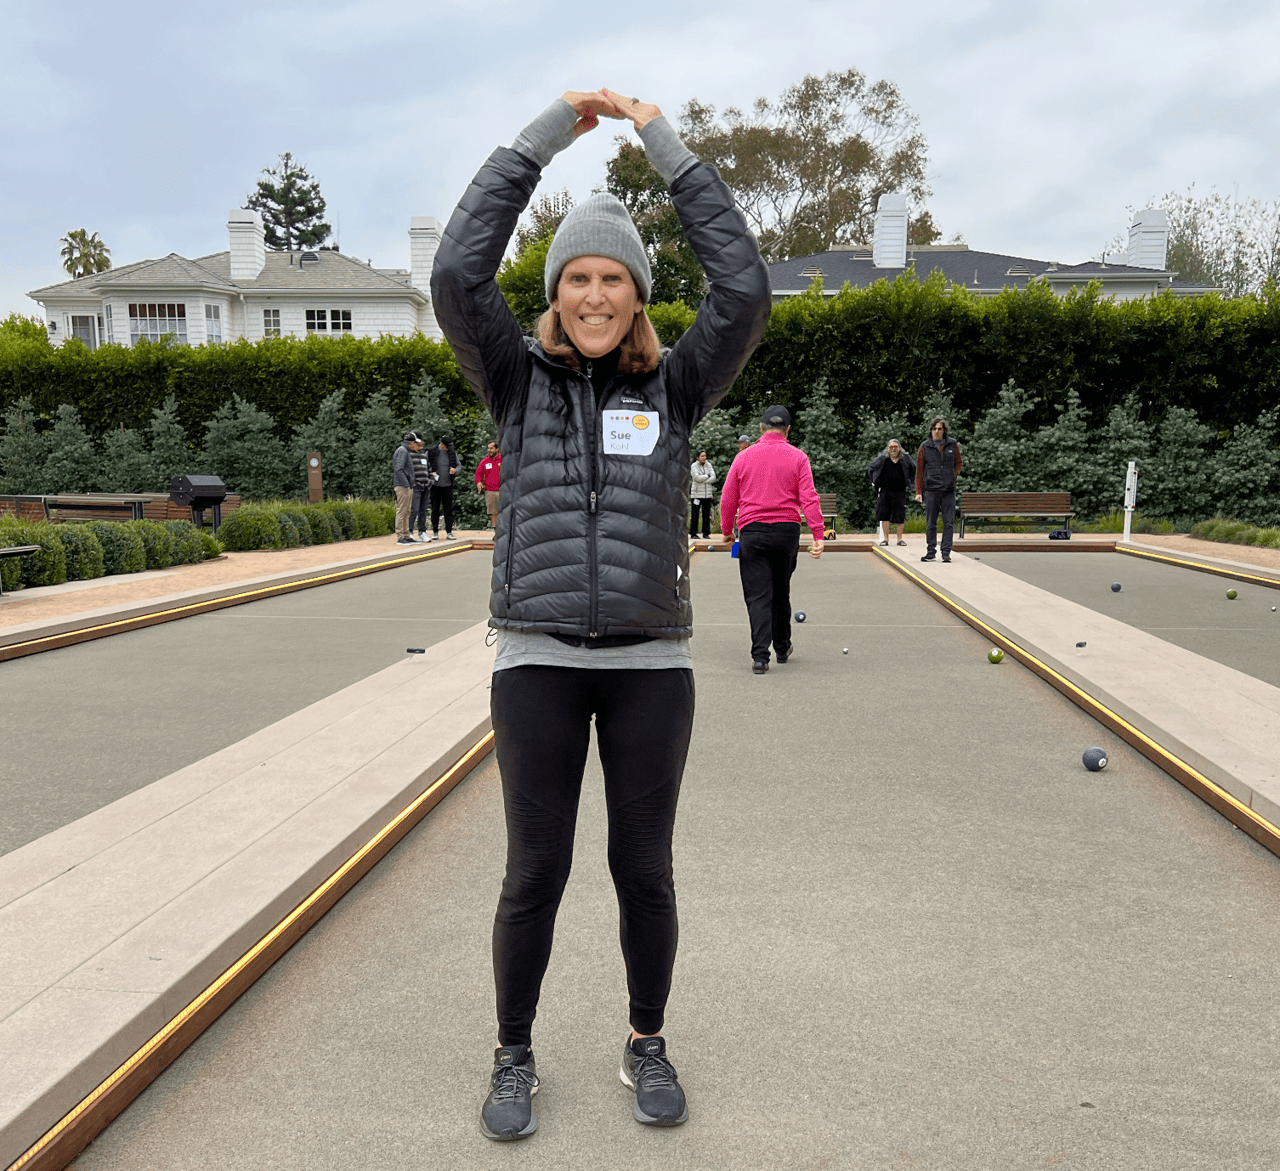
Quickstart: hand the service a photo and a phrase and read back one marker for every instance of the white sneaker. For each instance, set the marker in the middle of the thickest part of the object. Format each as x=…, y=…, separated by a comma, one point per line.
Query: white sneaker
x=433, y=537
x=450, y=537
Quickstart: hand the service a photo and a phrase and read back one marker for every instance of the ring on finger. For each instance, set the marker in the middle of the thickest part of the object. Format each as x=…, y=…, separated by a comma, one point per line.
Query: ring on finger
x=635, y=101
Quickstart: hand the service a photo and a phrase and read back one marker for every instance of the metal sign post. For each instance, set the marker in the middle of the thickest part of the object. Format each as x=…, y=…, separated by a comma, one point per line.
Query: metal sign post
x=1130, y=495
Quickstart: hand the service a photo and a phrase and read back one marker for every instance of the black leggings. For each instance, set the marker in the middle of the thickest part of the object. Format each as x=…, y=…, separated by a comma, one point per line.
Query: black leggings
x=542, y=729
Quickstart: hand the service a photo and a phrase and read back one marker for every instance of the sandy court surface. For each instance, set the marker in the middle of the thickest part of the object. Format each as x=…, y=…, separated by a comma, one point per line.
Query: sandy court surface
x=15, y=609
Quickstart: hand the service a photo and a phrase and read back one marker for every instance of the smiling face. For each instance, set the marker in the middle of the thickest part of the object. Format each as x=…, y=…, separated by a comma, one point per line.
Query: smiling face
x=894, y=452
x=597, y=301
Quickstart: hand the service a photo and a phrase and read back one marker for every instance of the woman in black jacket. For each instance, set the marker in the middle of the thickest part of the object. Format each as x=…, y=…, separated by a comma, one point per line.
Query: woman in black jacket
x=590, y=595
x=890, y=473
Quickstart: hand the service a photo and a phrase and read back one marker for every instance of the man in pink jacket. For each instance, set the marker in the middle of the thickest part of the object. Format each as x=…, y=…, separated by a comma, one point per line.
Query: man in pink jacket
x=488, y=476
x=769, y=485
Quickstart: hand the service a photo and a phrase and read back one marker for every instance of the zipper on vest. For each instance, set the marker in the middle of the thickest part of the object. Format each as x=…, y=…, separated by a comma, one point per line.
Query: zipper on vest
x=592, y=515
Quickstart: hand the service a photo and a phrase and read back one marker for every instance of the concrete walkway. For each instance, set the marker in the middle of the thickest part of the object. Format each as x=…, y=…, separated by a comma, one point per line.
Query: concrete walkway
x=915, y=932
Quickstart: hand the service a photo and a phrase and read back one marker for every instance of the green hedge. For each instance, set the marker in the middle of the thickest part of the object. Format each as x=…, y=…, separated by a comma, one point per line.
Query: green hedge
x=85, y=556
x=284, y=524
x=48, y=567
x=1237, y=532
x=122, y=548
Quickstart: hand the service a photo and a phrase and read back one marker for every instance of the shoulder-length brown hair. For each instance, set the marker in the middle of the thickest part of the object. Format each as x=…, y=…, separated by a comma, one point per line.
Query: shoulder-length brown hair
x=640, y=350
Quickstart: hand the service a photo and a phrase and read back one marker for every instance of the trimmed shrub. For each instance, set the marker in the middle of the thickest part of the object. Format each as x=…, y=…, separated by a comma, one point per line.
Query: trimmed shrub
x=122, y=547
x=289, y=534
x=251, y=526
x=344, y=518
x=157, y=542
x=188, y=548
x=369, y=519
x=85, y=558
x=298, y=518
x=48, y=567
x=324, y=525
x=212, y=546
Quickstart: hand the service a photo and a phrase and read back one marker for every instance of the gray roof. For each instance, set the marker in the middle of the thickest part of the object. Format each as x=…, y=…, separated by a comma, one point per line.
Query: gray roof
x=330, y=272
x=982, y=272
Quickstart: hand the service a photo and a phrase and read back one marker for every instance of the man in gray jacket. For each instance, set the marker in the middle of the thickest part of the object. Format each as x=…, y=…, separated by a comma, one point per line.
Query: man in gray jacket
x=702, y=479
x=402, y=476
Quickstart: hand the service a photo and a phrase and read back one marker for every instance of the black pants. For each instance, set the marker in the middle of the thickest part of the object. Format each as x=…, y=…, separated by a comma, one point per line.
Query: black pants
x=705, y=506
x=418, y=507
x=441, y=498
x=542, y=729
x=766, y=560
x=935, y=504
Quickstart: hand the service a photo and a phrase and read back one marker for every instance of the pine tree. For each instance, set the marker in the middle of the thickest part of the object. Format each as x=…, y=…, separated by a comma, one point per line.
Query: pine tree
x=291, y=206
x=717, y=435
x=241, y=446
x=378, y=433
x=330, y=434
x=426, y=414
x=170, y=453
x=71, y=465
x=125, y=464
x=23, y=450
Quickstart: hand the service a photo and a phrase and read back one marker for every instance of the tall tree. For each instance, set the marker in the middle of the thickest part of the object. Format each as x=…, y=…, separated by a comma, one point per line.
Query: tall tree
x=677, y=275
x=83, y=254
x=807, y=170
x=291, y=206
x=545, y=217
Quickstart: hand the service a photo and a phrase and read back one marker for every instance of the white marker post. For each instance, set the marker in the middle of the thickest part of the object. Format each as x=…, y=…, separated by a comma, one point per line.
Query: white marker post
x=1130, y=495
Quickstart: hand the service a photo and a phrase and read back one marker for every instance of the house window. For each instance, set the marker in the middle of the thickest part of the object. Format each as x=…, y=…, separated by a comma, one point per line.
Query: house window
x=82, y=327
x=152, y=322
x=271, y=323
x=331, y=320
x=111, y=331
x=213, y=323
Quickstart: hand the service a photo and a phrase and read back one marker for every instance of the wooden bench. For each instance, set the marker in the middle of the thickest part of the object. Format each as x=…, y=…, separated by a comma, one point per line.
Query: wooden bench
x=16, y=551
x=1004, y=509
x=75, y=505
x=828, y=504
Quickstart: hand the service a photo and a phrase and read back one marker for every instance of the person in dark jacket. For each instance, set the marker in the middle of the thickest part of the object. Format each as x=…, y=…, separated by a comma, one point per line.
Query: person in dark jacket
x=890, y=473
x=421, y=491
x=938, y=464
x=443, y=461
x=402, y=479
x=590, y=590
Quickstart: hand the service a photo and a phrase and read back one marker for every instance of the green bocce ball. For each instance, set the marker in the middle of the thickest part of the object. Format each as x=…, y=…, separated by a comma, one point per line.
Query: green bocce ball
x=995, y=655
x=1232, y=595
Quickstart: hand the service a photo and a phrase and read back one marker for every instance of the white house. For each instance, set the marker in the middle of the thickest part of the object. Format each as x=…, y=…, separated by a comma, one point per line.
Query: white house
x=248, y=292
x=1141, y=274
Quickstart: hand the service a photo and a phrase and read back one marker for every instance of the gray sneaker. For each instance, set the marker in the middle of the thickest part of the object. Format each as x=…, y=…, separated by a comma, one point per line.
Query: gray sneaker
x=507, y=1113
x=646, y=1070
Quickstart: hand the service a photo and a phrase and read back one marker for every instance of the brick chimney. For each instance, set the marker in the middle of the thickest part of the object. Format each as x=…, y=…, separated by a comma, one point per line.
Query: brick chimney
x=1149, y=239
x=424, y=239
x=248, y=250
x=889, y=244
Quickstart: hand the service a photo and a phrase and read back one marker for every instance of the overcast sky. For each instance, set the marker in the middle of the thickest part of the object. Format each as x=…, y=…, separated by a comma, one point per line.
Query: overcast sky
x=1044, y=120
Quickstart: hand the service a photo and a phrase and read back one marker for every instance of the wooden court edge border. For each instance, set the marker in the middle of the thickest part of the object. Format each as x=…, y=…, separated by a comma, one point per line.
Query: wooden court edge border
x=1235, y=811
x=63, y=638
x=79, y=1127
x=1220, y=570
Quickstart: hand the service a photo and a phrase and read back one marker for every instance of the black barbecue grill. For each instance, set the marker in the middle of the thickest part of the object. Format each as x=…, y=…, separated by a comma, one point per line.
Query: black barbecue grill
x=199, y=493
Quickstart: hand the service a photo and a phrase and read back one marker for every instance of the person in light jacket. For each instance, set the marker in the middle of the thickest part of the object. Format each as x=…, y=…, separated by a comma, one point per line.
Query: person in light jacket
x=702, y=479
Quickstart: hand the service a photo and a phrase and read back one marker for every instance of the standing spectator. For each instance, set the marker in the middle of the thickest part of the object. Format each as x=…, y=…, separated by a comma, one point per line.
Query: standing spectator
x=890, y=473
x=744, y=441
x=938, y=465
x=702, y=479
x=402, y=479
x=421, y=491
x=488, y=481
x=767, y=485
x=444, y=466
x=590, y=593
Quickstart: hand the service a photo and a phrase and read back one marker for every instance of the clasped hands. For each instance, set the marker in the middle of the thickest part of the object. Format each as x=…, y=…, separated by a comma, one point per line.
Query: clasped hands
x=604, y=103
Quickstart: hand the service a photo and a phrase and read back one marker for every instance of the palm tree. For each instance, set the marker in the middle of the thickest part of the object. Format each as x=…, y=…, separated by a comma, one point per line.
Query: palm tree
x=83, y=254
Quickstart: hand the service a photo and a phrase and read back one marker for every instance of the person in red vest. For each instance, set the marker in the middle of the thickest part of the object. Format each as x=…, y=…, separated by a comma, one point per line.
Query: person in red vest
x=487, y=482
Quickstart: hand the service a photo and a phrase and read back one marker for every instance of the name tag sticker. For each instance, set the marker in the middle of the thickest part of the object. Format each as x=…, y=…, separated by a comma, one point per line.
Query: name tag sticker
x=630, y=432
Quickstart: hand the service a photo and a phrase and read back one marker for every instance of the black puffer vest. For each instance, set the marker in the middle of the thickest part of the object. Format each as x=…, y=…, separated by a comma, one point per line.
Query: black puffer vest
x=592, y=524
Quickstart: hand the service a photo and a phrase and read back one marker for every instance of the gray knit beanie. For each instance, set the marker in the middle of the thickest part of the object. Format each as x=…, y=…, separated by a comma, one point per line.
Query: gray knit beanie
x=599, y=227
